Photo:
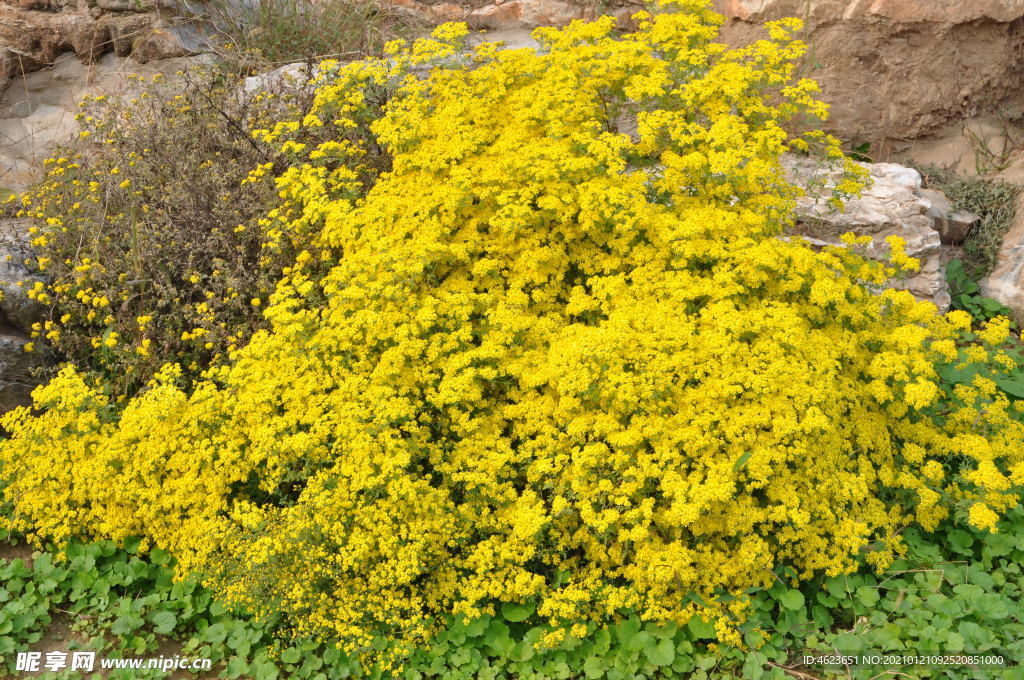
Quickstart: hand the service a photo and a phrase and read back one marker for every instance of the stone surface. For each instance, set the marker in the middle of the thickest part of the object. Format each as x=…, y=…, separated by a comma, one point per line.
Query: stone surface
x=899, y=69
x=1006, y=282
x=500, y=14
x=16, y=381
x=17, y=314
x=925, y=11
x=893, y=205
x=34, y=33
x=953, y=225
x=17, y=310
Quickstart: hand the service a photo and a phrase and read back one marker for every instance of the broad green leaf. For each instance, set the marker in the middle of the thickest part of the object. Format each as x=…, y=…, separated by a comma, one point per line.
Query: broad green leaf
x=517, y=613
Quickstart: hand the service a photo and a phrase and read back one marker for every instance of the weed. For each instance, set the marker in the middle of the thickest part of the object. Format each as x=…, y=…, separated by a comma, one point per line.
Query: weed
x=262, y=32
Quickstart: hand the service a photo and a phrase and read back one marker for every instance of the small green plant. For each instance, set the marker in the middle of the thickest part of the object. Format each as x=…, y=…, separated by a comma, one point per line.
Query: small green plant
x=860, y=152
x=957, y=590
x=988, y=157
x=966, y=295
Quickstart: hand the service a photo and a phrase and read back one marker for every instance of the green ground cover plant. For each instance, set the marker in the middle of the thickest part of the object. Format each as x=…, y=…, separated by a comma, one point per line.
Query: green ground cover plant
x=966, y=295
x=956, y=590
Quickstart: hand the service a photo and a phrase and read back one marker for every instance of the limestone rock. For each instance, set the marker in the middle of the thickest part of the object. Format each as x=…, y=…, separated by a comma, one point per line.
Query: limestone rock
x=932, y=11
x=953, y=225
x=1006, y=282
x=891, y=206
x=164, y=40
x=500, y=14
x=34, y=33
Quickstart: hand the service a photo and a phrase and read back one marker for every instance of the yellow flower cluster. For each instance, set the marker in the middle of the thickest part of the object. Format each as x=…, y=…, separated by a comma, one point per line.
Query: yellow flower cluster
x=554, y=353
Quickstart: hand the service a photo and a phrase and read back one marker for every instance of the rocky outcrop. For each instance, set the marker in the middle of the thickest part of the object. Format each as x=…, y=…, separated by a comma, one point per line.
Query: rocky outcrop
x=893, y=205
x=34, y=33
x=512, y=14
x=1006, y=282
x=899, y=69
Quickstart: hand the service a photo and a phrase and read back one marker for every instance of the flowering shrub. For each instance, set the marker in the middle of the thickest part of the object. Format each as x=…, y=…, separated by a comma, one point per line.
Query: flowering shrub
x=554, y=357
x=148, y=233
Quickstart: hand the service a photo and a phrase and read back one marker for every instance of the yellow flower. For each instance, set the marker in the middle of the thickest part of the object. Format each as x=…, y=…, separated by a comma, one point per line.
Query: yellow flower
x=982, y=517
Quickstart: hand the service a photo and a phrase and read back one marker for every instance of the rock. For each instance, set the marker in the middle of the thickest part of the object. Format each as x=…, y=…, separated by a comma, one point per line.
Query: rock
x=931, y=11
x=500, y=14
x=953, y=225
x=1006, y=282
x=892, y=205
x=164, y=40
x=126, y=32
x=900, y=69
x=297, y=75
x=18, y=310
x=33, y=33
x=16, y=380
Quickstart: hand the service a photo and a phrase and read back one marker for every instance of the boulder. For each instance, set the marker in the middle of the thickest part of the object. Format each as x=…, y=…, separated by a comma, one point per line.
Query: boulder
x=953, y=225
x=1006, y=282
x=893, y=205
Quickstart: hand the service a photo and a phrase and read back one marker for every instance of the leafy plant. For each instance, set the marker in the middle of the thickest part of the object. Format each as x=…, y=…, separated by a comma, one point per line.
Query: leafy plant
x=955, y=590
x=860, y=152
x=966, y=295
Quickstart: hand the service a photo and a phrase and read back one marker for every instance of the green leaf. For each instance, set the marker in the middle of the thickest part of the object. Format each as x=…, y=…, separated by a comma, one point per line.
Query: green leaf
x=960, y=540
x=640, y=640
x=237, y=666
x=701, y=629
x=478, y=626
x=741, y=461
x=594, y=667
x=126, y=624
x=602, y=641
x=661, y=654
x=792, y=599
x=263, y=670
x=868, y=596
x=1013, y=386
x=754, y=665
x=163, y=622
x=969, y=591
x=290, y=655
x=517, y=613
